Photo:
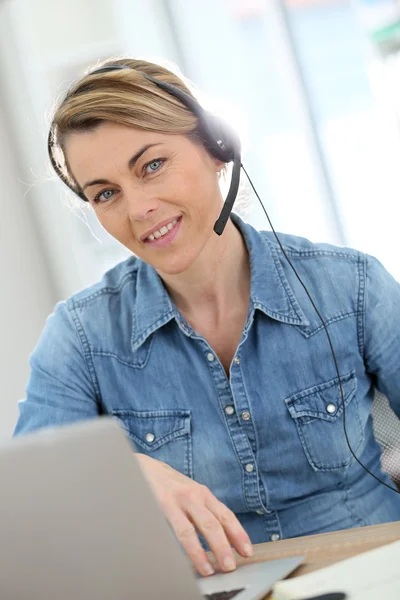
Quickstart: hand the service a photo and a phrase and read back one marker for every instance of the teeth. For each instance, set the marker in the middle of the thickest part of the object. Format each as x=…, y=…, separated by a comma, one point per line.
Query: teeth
x=160, y=232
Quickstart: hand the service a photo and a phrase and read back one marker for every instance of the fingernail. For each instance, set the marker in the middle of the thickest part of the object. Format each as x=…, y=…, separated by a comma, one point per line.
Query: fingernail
x=248, y=550
x=208, y=570
x=229, y=563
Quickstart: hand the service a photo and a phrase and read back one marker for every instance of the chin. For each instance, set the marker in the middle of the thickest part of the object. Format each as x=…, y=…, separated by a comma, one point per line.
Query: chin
x=176, y=264
x=173, y=267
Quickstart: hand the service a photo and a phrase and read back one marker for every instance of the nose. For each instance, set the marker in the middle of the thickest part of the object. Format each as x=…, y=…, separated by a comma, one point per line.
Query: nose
x=140, y=204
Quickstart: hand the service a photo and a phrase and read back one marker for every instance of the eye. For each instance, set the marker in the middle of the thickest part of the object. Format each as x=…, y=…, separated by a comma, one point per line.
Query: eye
x=153, y=166
x=103, y=196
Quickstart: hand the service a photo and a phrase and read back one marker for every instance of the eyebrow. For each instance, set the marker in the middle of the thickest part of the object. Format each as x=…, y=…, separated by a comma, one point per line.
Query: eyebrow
x=131, y=163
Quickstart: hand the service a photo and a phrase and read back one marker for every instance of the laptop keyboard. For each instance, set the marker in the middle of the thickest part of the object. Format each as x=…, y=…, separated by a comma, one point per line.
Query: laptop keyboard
x=223, y=595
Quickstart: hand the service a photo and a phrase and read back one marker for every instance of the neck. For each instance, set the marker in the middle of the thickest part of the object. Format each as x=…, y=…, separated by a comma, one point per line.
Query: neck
x=219, y=280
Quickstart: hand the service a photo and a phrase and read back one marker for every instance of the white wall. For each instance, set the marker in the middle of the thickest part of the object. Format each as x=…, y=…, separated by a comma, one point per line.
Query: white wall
x=26, y=293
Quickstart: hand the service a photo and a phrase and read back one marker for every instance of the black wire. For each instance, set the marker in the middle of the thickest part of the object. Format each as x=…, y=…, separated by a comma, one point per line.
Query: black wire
x=327, y=335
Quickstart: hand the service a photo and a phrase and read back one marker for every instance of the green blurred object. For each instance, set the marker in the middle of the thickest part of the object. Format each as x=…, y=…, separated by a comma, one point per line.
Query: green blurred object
x=387, y=38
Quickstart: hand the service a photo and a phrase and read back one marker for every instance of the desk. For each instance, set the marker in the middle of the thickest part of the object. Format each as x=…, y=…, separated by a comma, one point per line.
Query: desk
x=326, y=548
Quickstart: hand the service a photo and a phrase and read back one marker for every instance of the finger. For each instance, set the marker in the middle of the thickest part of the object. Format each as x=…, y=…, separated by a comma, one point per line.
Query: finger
x=209, y=526
x=234, y=531
x=186, y=535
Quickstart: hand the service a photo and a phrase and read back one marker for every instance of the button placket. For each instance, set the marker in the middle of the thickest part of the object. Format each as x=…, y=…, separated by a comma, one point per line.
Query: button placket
x=243, y=428
x=271, y=526
x=231, y=390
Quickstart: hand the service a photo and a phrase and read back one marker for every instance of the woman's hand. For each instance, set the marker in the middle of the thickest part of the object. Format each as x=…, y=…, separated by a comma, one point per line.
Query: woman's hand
x=190, y=506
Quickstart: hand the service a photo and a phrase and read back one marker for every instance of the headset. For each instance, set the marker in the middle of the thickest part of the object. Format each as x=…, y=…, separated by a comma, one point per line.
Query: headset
x=224, y=144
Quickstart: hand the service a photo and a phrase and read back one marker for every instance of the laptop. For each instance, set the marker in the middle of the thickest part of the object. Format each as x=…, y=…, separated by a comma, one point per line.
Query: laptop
x=79, y=520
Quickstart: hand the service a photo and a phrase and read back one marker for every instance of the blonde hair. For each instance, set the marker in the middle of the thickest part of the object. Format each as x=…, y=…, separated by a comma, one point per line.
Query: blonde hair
x=121, y=96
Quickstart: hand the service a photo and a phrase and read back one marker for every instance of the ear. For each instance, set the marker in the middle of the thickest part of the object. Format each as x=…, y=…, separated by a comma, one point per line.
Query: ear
x=219, y=164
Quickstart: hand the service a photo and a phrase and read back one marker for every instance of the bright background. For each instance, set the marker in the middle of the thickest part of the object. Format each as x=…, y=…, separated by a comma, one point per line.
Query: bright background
x=312, y=86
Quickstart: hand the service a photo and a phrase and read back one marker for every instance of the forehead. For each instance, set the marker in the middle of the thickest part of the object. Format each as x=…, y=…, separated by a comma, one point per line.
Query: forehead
x=109, y=146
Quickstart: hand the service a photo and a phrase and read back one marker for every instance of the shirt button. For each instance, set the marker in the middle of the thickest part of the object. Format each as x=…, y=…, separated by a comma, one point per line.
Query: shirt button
x=275, y=537
x=260, y=512
x=229, y=410
x=236, y=360
x=331, y=408
x=246, y=415
x=249, y=467
x=210, y=356
x=150, y=437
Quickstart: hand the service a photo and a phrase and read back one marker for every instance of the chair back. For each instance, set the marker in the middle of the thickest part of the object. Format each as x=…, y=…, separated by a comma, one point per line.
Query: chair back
x=387, y=432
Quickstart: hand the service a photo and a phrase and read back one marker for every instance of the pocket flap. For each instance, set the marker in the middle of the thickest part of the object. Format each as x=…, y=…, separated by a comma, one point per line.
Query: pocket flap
x=151, y=429
x=323, y=401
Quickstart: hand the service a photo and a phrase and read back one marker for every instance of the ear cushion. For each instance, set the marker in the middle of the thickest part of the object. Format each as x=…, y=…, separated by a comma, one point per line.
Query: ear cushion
x=218, y=137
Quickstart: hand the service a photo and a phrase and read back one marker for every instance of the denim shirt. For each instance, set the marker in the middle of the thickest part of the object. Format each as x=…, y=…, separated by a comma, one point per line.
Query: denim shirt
x=269, y=440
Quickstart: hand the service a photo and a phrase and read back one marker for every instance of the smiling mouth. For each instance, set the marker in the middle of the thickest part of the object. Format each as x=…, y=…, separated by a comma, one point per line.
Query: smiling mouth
x=163, y=231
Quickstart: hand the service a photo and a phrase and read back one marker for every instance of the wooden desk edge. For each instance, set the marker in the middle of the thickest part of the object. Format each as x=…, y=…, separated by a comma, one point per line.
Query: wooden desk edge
x=324, y=549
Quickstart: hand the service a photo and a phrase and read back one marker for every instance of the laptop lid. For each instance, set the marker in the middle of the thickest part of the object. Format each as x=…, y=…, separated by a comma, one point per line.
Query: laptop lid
x=78, y=521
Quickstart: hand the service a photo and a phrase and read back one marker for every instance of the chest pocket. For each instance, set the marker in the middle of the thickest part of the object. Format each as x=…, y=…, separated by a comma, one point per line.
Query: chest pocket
x=161, y=434
x=318, y=415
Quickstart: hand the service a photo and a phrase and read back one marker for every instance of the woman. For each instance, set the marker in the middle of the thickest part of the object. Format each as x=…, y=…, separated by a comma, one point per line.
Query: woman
x=206, y=347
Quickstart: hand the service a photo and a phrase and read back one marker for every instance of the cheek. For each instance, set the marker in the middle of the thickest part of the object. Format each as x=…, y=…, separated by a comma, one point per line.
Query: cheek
x=115, y=223
x=202, y=191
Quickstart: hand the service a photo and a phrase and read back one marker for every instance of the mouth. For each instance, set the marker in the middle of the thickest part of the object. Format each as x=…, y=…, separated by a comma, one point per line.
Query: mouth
x=165, y=234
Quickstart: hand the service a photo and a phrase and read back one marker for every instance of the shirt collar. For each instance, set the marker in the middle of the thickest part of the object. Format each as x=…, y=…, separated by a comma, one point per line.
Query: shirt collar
x=270, y=291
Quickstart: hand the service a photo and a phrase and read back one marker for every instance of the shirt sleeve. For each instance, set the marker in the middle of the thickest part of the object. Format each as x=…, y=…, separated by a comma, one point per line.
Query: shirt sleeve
x=382, y=330
x=61, y=388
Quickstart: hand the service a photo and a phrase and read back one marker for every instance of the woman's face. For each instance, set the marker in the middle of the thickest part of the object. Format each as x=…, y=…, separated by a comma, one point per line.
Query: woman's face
x=157, y=194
